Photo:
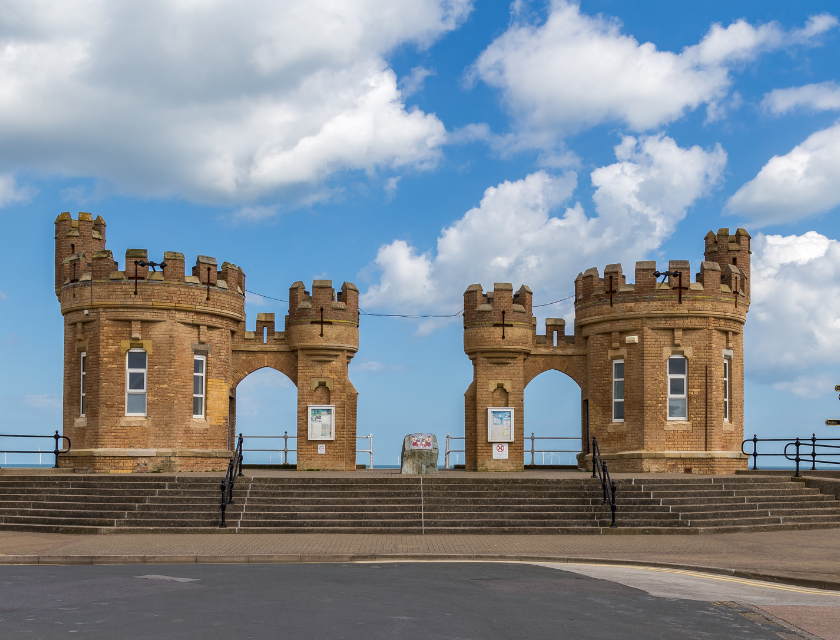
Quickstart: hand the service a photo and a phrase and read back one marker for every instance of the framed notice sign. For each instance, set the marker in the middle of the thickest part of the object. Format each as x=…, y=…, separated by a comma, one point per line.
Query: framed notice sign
x=321, y=421
x=499, y=424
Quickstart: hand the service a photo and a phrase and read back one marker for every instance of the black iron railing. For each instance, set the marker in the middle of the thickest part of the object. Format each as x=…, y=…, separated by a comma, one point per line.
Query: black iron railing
x=234, y=469
x=55, y=437
x=814, y=450
x=600, y=471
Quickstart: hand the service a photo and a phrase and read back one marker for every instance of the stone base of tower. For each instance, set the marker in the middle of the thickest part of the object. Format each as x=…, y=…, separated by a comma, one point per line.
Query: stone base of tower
x=145, y=460
x=699, y=462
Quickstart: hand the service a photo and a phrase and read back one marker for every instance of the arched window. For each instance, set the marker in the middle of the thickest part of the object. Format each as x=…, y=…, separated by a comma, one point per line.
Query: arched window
x=677, y=388
x=135, y=382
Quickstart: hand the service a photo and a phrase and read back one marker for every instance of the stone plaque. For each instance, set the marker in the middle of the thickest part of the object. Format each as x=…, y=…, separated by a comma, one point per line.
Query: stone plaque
x=421, y=440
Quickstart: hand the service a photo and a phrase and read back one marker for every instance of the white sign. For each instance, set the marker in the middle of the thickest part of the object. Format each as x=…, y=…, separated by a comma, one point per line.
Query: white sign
x=500, y=424
x=500, y=451
x=322, y=448
x=321, y=422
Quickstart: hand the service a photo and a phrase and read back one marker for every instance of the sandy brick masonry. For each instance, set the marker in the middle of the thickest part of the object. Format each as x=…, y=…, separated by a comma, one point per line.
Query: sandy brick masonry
x=173, y=316
x=643, y=324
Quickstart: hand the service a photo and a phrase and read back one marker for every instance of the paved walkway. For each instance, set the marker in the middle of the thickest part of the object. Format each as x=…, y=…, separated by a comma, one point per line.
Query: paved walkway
x=808, y=558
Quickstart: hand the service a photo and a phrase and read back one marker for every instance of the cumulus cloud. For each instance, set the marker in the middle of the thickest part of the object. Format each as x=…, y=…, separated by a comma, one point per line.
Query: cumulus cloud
x=808, y=386
x=512, y=236
x=574, y=70
x=794, y=319
x=823, y=96
x=11, y=191
x=801, y=183
x=413, y=82
x=218, y=101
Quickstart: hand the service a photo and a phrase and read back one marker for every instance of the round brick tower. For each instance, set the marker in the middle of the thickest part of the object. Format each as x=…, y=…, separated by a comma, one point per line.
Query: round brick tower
x=665, y=360
x=147, y=354
x=660, y=364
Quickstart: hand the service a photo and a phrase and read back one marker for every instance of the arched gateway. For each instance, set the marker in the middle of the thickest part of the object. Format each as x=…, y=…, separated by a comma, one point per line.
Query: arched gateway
x=152, y=358
x=659, y=364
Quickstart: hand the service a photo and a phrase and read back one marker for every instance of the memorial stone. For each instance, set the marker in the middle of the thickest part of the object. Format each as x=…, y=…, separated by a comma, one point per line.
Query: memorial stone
x=420, y=453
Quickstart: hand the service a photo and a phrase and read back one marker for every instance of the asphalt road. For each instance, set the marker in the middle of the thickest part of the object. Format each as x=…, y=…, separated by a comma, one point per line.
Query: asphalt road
x=369, y=601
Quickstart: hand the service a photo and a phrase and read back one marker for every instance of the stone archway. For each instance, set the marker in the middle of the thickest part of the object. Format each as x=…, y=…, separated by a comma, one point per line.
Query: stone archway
x=554, y=404
x=264, y=405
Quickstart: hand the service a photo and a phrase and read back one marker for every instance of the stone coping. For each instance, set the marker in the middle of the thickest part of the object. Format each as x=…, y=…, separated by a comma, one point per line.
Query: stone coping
x=149, y=453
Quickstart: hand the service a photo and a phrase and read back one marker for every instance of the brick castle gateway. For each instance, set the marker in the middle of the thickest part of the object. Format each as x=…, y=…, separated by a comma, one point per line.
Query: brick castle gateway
x=152, y=358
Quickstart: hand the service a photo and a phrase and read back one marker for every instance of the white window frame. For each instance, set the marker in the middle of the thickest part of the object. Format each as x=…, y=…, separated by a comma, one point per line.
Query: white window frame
x=145, y=390
x=203, y=394
x=624, y=391
x=671, y=376
x=727, y=389
x=82, y=383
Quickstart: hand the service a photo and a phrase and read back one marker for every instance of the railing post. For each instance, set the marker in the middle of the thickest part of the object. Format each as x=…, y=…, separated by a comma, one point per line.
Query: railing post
x=612, y=505
x=446, y=454
x=285, y=447
x=240, y=454
x=755, y=452
x=532, y=448
x=56, y=449
x=813, y=452
x=594, y=444
x=798, y=475
x=224, y=506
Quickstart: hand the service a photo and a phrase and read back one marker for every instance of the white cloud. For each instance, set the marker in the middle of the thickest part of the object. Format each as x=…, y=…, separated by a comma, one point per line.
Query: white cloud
x=390, y=187
x=3, y=296
x=43, y=401
x=413, y=82
x=512, y=235
x=824, y=96
x=254, y=213
x=804, y=182
x=374, y=367
x=575, y=70
x=794, y=321
x=11, y=191
x=808, y=386
x=215, y=101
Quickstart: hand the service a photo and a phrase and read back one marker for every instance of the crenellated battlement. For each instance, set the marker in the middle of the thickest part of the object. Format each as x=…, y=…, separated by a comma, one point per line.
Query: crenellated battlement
x=81, y=257
x=493, y=306
x=306, y=307
x=723, y=281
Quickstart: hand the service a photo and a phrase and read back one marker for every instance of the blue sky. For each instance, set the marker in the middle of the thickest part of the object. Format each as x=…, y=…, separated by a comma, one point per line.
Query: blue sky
x=416, y=148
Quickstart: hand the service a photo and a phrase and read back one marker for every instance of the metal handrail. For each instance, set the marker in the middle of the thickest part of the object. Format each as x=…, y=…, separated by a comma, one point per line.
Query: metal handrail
x=56, y=437
x=448, y=450
x=813, y=442
x=286, y=451
x=603, y=475
x=532, y=451
x=533, y=438
x=230, y=478
x=285, y=437
x=369, y=438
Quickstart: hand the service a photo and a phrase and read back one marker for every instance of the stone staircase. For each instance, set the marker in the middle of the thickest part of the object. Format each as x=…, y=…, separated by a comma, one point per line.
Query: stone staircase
x=397, y=504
